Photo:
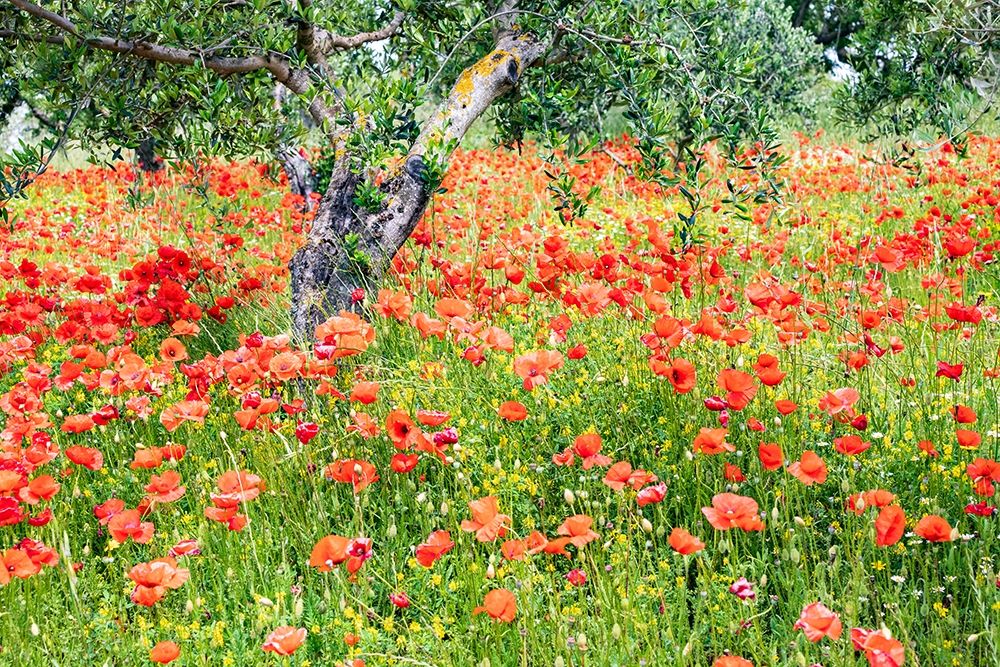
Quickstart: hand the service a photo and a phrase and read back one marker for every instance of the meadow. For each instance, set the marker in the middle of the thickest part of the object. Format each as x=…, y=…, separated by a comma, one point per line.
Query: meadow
x=541, y=442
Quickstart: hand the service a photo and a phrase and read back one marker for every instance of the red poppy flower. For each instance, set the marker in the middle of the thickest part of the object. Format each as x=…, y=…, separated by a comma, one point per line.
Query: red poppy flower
x=284, y=640
x=499, y=604
x=818, y=621
x=487, y=523
x=438, y=544
x=684, y=542
x=934, y=528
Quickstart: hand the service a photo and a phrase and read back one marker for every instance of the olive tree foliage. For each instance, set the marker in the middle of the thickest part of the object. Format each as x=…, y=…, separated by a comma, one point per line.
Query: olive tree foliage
x=938, y=69
x=914, y=66
x=787, y=62
x=393, y=87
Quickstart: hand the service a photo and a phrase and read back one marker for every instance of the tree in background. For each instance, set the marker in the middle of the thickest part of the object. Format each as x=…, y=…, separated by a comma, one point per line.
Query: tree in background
x=394, y=87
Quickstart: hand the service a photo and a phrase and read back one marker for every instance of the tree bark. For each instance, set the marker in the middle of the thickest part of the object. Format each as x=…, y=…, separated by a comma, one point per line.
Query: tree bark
x=349, y=249
x=145, y=156
x=301, y=179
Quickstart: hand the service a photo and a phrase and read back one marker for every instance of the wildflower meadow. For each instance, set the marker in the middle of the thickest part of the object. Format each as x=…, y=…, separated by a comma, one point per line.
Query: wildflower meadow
x=543, y=439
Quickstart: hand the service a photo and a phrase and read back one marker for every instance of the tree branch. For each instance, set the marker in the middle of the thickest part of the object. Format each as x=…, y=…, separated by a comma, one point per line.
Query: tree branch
x=295, y=80
x=326, y=41
x=477, y=88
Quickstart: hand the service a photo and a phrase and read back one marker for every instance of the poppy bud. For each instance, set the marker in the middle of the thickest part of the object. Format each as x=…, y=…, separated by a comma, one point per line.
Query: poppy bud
x=860, y=422
x=646, y=525
x=491, y=572
x=357, y=295
x=569, y=496
x=715, y=404
x=581, y=641
x=400, y=599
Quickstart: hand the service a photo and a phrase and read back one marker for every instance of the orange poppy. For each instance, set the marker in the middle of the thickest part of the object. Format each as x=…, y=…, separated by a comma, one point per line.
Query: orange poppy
x=356, y=472
x=147, y=457
x=740, y=388
x=513, y=411
x=934, y=528
x=850, y=445
x=712, y=441
x=43, y=487
x=588, y=446
x=731, y=661
x=729, y=510
x=87, y=457
x=172, y=349
x=534, y=367
x=809, y=469
x=284, y=640
x=499, y=604
x=682, y=374
x=365, y=392
x=487, y=523
x=129, y=524
x=818, y=621
x=329, y=552
x=968, y=439
x=770, y=455
x=577, y=529
x=438, y=544
x=889, y=526
x=785, y=406
x=165, y=488
x=165, y=652
x=684, y=542
x=16, y=563
x=153, y=579
x=767, y=370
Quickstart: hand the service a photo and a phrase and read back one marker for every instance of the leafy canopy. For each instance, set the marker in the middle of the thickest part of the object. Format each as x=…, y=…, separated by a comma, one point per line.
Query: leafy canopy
x=382, y=80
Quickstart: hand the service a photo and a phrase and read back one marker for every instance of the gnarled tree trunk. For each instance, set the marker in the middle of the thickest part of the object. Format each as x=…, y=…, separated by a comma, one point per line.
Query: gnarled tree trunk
x=349, y=248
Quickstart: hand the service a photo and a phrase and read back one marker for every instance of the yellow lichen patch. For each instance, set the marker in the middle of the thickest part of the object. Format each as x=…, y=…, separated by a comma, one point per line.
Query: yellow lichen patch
x=486, y=65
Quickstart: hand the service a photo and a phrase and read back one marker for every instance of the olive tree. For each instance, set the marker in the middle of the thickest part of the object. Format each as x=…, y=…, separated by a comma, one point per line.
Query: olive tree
x=393, y=87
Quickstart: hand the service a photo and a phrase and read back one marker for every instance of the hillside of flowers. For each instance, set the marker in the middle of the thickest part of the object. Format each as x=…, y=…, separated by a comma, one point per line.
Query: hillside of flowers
x=540, y=442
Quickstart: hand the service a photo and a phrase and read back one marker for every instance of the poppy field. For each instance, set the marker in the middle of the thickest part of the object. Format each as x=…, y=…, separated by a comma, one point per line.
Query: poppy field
x=540, y=442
